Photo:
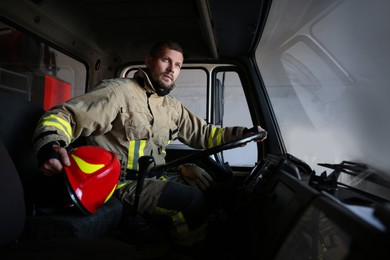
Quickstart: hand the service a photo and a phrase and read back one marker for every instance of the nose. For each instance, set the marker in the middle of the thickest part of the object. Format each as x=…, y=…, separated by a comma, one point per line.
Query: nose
x=171, y=68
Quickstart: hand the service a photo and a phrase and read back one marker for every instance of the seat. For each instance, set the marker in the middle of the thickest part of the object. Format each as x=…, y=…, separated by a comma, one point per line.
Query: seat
x=12, y=224
x=18, y=119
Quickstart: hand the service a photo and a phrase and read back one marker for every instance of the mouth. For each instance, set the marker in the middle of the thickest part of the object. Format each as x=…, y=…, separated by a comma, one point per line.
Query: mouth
x=167, y=76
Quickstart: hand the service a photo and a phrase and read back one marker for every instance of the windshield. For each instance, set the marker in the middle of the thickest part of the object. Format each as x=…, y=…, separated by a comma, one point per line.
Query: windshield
x=326, y=65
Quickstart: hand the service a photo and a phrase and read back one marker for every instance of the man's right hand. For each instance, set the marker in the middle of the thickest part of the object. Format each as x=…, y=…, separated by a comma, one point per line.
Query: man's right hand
x=54, y=166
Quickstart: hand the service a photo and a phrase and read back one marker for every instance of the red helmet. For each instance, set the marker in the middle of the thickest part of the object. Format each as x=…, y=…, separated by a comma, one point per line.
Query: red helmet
x=91, y=177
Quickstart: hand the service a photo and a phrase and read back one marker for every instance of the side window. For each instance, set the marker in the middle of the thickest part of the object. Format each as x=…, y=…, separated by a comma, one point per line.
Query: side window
x=36, y=72
x=191, y=90
x=235, y=112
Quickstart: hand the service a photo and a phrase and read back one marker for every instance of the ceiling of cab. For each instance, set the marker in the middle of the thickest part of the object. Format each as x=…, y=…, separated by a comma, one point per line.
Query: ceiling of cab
x=207, y=29
x=129, y=27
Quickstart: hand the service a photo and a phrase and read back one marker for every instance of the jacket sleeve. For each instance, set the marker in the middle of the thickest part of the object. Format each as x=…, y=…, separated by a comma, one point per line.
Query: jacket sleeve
x=81, y=116
x=197, y=133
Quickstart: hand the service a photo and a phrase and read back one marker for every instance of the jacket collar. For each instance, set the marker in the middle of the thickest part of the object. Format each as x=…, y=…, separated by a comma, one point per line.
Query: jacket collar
x=143, y=79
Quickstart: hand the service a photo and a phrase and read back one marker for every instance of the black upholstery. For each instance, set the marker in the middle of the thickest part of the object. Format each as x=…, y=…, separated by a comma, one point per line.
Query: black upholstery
x=12, y=220
x=72, y=223
x=18, y=118
x=12, y=217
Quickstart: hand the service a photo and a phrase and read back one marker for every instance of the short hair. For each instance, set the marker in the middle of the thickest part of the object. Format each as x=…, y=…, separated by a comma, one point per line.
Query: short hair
x=157, y=47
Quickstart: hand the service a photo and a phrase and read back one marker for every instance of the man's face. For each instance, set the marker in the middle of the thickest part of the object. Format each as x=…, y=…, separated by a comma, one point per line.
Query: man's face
x=165, y=67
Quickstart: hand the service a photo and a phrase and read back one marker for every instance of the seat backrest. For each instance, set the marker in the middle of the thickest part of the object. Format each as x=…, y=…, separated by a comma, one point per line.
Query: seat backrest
x=12, y=217
x=18, y=119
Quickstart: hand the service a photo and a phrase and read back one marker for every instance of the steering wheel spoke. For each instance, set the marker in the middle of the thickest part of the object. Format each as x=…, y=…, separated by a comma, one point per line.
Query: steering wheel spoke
x=203, y=153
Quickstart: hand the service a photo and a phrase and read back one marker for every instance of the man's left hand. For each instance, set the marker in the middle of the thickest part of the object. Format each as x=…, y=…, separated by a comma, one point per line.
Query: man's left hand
x=256, y=129
x=195, y=176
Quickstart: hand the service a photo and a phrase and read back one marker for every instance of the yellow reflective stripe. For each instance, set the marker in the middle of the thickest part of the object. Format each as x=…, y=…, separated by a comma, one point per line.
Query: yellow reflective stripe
x=121, y=185
x=180, y=223
x=164, y=151
x=59, y=123
x=110, y=195
x=215, y=137
x=163, y=178
x=86, y=167
x=177, y=218
x=136, y=150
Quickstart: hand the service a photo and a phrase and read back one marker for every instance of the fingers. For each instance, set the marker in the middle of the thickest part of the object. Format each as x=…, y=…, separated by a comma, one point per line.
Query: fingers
x=204, y=178
x=202, y=185
x=54, y=166
x=63, y=154
x=255, y=130
x=260, y=129
x=196, y=184
x=51, y=167
x=196, y=176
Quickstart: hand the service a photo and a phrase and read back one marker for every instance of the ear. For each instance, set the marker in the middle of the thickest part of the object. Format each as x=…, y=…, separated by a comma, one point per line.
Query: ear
x=147, y=60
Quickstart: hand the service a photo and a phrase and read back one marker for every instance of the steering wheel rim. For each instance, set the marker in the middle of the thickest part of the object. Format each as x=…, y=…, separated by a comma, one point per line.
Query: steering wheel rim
x=206, y=152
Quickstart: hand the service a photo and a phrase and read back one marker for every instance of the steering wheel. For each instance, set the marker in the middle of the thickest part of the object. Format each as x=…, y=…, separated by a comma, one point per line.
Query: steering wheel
x=203, y=153
x=146, y=161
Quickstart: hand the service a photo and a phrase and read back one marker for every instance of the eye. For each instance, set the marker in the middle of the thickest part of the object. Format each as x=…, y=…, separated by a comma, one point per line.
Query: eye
x=164, y=59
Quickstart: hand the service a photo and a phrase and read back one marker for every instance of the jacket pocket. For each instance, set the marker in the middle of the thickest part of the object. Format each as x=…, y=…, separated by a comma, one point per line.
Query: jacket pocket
x=137, y=122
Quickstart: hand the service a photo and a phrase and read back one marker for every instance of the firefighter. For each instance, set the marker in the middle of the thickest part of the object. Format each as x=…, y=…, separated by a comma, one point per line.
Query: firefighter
x=136, y=117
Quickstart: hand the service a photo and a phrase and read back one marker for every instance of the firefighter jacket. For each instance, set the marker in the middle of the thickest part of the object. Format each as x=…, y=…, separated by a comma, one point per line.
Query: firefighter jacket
x=127, y=117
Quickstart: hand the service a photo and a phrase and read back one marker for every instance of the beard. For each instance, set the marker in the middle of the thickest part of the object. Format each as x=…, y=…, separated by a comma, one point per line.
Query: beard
x=161, y=87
